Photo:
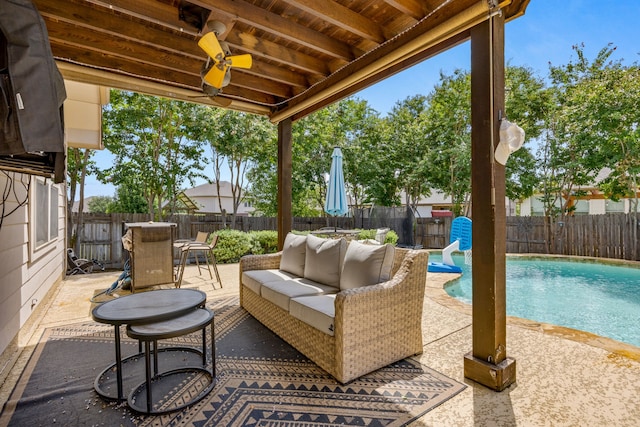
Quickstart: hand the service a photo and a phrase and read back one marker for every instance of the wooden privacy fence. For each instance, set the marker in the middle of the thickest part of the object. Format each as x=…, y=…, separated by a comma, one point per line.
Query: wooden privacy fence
x=607, y=236
x=101, y=234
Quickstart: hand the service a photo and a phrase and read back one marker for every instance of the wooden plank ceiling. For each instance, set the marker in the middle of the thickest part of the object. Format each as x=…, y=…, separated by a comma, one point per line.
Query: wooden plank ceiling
x=306, y=53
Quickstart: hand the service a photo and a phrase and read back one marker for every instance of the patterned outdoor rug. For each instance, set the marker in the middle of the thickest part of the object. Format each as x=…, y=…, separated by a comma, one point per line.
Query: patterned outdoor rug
x=260, y=381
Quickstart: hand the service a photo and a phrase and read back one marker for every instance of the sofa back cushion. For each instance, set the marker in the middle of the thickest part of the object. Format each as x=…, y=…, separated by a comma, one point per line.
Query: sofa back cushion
x=293, y=254
x=366, y=265
x=323, y=260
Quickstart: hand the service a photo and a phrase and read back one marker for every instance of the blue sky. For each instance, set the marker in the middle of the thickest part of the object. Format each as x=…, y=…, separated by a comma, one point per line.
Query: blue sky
x=545, y=34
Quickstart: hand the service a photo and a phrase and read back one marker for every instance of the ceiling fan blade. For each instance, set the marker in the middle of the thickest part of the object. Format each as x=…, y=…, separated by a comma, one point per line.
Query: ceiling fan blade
x=210, y=44
x=240, y=61
x=215, y=76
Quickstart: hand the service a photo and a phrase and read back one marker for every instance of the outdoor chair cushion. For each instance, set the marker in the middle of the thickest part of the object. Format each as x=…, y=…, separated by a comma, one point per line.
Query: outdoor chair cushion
x=323, y=260
x=253, y=279
x=317, y=311
x=366, y=265
x=293, y=254
x=281, y=292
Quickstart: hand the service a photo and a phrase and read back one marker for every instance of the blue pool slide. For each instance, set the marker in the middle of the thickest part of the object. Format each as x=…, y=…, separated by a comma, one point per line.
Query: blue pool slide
x=459, y=240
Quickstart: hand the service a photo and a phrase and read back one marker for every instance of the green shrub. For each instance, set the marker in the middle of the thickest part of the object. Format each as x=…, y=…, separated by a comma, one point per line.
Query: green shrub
x=232, y=245
x=366, y=234
x=264, y=242
x=392, y=236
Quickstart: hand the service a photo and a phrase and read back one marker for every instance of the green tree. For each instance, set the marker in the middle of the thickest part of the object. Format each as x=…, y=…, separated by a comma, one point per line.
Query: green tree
x=263, y=178
x=528, y=103
x=406, y=149
x=447, y=128
x=79, y=164
x=129, y=197
x=593, y=132
x=592, y=126
x=446, y=125
x=350, y=124
x=233, y=138
x=100, y=204
x=314, y=138
x=148, y=137
x=362, y=129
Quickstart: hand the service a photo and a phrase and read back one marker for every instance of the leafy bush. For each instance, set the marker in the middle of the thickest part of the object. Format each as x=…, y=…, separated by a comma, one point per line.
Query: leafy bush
x=392, y=236
x=366, y=234
x=264, y=242
x=232, y=245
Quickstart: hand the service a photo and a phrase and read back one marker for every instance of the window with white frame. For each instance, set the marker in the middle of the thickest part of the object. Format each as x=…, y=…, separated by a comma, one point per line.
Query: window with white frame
x=614, y=207
x=581, y=207
x=537, y=207
x=44, y=218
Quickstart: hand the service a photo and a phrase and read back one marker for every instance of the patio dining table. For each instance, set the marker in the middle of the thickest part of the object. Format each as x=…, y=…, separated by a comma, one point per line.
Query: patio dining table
x=138, y=309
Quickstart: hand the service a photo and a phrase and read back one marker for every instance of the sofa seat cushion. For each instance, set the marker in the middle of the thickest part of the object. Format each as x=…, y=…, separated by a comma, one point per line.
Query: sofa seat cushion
x=317, y=311
x=293, y=254
x=281, y=292
x=366, y=265
x=323, y=260
x=253, y=279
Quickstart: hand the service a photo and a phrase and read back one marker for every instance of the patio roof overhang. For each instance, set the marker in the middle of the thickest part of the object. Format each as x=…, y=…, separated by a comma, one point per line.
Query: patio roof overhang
x=306, y=53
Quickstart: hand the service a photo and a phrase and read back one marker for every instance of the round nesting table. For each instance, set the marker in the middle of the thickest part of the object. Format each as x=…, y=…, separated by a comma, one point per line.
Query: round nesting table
x=197, y=319
x=138, y=309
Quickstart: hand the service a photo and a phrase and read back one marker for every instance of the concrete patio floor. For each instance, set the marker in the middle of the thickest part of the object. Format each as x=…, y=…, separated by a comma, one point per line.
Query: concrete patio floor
x=564, y=377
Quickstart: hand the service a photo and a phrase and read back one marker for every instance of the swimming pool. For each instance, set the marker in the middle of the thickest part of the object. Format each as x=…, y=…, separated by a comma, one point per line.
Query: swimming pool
x=594, y=297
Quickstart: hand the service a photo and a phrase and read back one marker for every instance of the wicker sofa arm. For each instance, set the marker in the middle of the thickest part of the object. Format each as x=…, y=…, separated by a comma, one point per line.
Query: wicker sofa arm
x=260, y=262
x=379, y=324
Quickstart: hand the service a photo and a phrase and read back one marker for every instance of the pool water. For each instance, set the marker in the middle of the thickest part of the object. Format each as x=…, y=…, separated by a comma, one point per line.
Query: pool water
x=598, y=298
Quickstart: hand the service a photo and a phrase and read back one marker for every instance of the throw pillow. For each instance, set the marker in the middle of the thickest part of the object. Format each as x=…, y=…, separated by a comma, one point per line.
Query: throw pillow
x=323, y=260
x=366, y=265
x=293, y=254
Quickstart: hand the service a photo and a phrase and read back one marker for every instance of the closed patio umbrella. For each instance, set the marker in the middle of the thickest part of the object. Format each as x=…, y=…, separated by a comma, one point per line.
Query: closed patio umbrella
x=336, y=203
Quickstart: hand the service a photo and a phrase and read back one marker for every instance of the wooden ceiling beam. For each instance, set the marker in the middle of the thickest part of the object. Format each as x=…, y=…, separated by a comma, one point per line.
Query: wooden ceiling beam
x=151, y=11
x=401, y=66
x=444, y=24
x=64, y=33
x=82, y=74
x=413, y=8
x=343, y=17
x=254, y=96
x=260, y=84
x=275, y=52
x=112, y=24
x=280, y=27
x=124, y=66
x=279, y=74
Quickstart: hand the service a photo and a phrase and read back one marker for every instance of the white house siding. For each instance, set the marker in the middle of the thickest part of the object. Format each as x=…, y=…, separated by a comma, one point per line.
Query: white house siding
x=205, y=196
x=591, y=207
x=209, y=204
x=597, y=207
x=27, y=276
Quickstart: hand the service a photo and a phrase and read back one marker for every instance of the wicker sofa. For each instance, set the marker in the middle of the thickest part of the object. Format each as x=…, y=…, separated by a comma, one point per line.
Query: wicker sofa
x=357, y=329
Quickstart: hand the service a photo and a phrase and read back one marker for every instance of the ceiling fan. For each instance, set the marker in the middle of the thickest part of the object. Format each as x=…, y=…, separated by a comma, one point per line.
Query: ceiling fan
x=216, y=72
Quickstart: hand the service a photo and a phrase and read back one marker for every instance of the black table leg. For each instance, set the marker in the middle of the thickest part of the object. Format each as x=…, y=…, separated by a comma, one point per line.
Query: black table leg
x=213, y=351
x=147, y=365
x=118, y=363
